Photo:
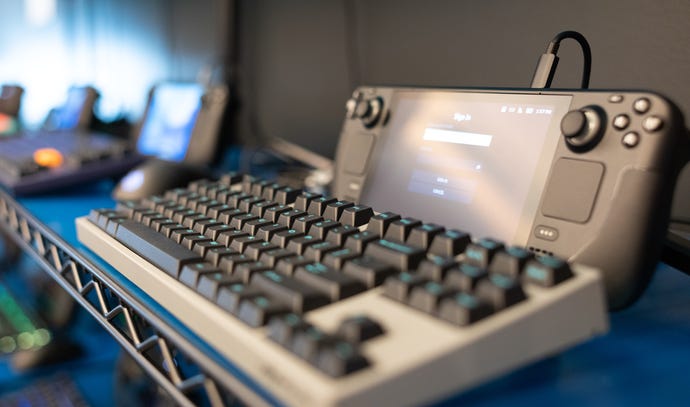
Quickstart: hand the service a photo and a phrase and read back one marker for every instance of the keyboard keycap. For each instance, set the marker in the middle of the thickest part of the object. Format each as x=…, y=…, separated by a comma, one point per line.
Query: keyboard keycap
x=241, y=243
x=282, y=328
x=500, y=291
x=299, y=296
x=267, y=231
x=209, y=284
x=379, y=223
x=260, y=208
x=283, y=238
x=435, y=268
x=320, y=229
x=426, y=297
x=201, y=226
x=358, y=242
x=300, y=244
x=154, y=247
x=245, y=271
x=239, y=221
x=229, y=263
x=340, y=358
x=252, y=227
x=359, y=328
x=287, y=195
x=510, y=261
x=289, y=217
x=273, y=213
x=189, y=241
x=396, y=254
x=317, y=206
x=229, y=235
x=289, y=265
x=230, y=296
x=256, y=311
x=168, y=229
x=547, y=271
x=465, y=277
x=231, y=178
x=234, y=200
x=334, y=284
x=214, y=254
x=202, y=248
x=258, y=187
x=247, y=204
x=269, y=191
x=334, y=210
x=368, y=270
x=272, y=257
x=421, y=236
x=191, y=272
x=254, y=251
x=339, y=235
x=303, y=200
x=481, y=253
x=228, y=215
x=400, y=229
x=303, y=223
x=317, y=251
x=449, y=243
x=307, y=343
x=398, y=287
x=356, y=215
x=463, y=309
x=338, y=258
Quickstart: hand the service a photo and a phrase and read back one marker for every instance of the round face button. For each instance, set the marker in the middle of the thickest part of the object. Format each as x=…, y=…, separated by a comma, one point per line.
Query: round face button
x=621, y=121
x=652, y=123
x=630, y=139
x=616, y=98
x=642, y=105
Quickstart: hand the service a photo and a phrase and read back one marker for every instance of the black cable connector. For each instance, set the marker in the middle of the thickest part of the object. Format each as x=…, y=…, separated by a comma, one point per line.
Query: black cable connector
x=546, y=68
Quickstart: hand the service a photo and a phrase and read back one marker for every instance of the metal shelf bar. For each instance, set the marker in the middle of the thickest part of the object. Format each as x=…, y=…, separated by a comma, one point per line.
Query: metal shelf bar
x=154, y=345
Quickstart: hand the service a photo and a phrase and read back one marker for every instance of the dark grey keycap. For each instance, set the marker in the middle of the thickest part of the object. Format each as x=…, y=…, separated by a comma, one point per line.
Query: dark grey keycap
x=463, y=309
x=329, y=281
x=297, y=295
x=359, y=328
x=356, y=215
x=154, y=247
x=547, y=271
x=398, y=255
x=368, y=270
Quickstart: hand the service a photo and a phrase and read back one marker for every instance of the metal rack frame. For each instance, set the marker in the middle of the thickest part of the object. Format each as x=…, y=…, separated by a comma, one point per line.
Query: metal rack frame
x=190, y=376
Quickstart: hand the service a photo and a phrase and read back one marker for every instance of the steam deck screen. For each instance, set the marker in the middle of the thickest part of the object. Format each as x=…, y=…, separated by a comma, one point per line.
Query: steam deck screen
x=471, y=161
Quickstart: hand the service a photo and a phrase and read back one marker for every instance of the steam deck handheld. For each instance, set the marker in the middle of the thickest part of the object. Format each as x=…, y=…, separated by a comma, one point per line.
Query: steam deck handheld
x=586, y=175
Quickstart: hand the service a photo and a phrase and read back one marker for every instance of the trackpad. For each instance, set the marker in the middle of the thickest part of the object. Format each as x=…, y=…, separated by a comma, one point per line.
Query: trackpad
x=572, y=190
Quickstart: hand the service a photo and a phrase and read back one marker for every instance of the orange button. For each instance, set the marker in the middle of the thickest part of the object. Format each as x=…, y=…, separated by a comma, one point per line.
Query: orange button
x=48, y=157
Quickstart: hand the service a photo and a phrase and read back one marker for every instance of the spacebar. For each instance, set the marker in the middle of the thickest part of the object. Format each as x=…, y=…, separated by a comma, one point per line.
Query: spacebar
x=154, y=247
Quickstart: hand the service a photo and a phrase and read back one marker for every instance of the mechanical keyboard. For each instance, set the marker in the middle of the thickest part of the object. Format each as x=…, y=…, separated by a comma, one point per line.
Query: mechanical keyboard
x=322, y=301
x=45, y=161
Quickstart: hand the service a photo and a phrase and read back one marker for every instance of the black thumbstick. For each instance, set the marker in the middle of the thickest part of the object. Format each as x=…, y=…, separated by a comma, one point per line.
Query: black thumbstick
x=367, y=110
x=583, y=128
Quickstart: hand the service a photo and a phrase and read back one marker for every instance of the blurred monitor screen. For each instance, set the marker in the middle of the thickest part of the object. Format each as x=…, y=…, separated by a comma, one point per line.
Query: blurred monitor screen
x=169, y=120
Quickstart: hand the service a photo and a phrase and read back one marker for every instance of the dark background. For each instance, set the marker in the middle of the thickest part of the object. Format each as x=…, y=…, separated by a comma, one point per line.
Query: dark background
x=301, y=59
x=295, y=62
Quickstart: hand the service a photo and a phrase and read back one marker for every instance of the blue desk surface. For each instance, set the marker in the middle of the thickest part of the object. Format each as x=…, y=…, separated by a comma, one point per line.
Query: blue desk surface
x=644, y=359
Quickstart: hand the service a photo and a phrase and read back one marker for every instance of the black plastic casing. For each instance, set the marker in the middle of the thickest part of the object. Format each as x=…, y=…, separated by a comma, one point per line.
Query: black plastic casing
x=624, y=232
